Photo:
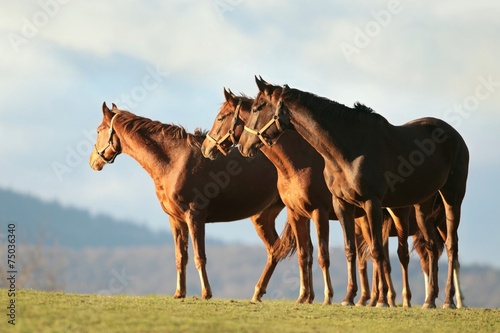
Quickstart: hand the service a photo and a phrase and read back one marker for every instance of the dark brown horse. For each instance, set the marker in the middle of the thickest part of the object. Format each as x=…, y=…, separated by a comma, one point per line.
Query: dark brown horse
x=303, y=189
x=193, y=190
x=371, y=164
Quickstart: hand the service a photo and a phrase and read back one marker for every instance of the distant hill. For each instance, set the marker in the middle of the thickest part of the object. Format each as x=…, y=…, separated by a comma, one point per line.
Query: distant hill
x=84, y=253
x=52, y=223
x=233, y=271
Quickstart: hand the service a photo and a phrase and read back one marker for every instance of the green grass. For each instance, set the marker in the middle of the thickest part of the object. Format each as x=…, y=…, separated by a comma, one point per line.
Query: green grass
x=38, y=311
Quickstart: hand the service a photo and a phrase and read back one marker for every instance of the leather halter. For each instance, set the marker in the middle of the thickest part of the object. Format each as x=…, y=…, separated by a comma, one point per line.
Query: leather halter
x=274, y=120
x=109, y=145
x=230, y=133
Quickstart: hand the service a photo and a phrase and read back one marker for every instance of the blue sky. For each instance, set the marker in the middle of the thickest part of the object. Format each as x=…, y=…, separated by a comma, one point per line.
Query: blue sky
x=170, y=60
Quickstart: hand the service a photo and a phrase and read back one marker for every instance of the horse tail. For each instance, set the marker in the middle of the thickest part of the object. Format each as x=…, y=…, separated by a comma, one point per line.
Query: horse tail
x=387, y=224
x=361, y=244
x=285, y=246
x=362, y=247
x=438, y=218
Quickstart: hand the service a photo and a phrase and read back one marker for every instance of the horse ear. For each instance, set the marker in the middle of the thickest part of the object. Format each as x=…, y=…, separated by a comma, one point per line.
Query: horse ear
x=264, y=87
x=107, y=113
x=233, y=96
x=104, y=107
x=229, y=96
x=114, y=108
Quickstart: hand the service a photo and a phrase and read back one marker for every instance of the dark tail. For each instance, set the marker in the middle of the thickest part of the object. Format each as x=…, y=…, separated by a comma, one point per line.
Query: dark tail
x=438, y=216
x=285, y=246
x=362, y=245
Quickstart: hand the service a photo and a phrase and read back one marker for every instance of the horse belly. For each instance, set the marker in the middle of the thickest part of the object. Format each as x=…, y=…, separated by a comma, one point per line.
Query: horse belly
x=243, y=194
x=413, y=190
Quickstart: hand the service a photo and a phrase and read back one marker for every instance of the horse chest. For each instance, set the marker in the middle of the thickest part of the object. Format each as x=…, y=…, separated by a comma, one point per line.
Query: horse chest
x=341, y=187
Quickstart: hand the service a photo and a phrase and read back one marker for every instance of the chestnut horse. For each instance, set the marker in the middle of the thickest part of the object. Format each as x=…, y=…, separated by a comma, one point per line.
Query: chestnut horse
x=303, y=189
x=300, y=188
x=370, y=163
x=193, y=190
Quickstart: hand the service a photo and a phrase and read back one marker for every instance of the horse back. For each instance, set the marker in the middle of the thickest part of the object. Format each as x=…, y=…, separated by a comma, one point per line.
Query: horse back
x=424, y=155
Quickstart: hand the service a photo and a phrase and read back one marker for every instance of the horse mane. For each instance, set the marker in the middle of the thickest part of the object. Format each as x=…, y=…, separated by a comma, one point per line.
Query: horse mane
x=245, y=100
x=245, y=97
x=326, y=109
x=143, y=125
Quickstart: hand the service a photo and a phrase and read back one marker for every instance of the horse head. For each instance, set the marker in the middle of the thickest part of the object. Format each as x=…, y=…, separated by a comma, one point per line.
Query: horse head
x=107, y=145
x=227, y=127
x=268, y=118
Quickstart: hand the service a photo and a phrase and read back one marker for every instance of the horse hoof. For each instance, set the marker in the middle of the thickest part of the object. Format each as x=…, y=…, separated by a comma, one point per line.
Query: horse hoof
x=256, y=298
x=300, y=300
x=429, y=306
x=382, y=305
x=449, y=306
x=347, y=303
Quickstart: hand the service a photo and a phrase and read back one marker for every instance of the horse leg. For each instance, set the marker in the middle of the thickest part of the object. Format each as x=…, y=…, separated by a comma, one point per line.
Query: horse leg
x=180, y=234
x=453, y=193
x=197, y=230
x=345, y=213
x=428, y=230
x=391, y=292
x=310, y=299
x=420, y=247
x=400, y=217
x=301, y=229
x=320, y=217
x=361, y=251
x=264, y=223
x=452, y=221
x=456, y=271
x=456, y=278
x=373, y=209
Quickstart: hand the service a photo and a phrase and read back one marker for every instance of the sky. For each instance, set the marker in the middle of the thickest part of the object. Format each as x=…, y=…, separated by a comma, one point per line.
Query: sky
x=169, y=61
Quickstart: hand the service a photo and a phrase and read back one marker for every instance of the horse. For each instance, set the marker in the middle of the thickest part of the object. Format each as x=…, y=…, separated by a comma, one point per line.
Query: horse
x=303, y=189
x=193, y=190
x=370, y=163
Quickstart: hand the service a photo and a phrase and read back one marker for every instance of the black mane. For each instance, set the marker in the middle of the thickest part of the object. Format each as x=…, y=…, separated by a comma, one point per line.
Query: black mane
x=326, y=109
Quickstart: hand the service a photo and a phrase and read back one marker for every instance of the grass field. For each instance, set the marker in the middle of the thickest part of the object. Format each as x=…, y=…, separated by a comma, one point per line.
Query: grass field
x=38, y=311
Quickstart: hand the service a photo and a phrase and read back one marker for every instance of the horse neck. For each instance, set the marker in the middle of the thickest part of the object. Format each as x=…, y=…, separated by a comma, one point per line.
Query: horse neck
x=287, y=154
x=329, y=143
x=152, y=155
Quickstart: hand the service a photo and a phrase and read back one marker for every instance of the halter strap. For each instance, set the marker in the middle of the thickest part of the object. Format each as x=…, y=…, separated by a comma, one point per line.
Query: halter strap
x=109, y=145
x=230, y=133
x=274, y=120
